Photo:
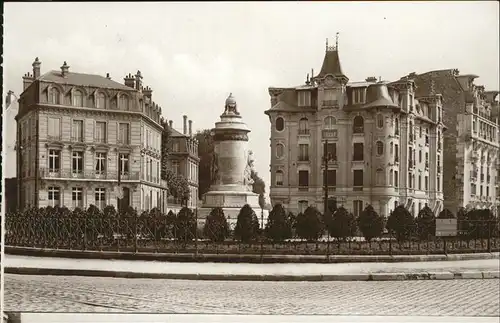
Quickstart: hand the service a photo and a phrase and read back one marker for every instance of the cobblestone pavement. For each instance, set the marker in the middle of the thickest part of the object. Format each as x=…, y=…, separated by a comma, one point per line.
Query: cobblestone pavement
x=409, y=298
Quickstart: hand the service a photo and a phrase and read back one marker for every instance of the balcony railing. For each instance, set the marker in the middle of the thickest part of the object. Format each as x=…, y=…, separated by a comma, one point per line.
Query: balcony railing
x=357, y=188
x=303, y=158
x=396, y=159
x=410, y=163
x=76, y=138
x=330, y=103
x=473, y=174
x=427, y=165
x=87, y=174
x=303, y=188
x=100, y=140
x=482, y=177
x=303, y=131
x=358, y=129
x=54, y=138
x=329, y=133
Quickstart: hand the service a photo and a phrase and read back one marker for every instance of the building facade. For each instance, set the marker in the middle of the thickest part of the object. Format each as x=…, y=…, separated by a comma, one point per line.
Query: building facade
x=384, y=146
x=471, y=152
x=183, y=158
x=85, y=139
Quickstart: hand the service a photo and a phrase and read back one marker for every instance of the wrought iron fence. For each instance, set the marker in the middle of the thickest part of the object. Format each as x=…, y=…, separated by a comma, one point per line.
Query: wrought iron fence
x=166, y=234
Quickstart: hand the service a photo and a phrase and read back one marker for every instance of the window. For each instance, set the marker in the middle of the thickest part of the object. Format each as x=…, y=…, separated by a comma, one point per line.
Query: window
x=77, y=98
x=175, y=167
x=358, y=124
x=329, y=98
x=391, y=149
x=396, y=179
x=380, y=121
x=279, y=178
x=77, y=162
x=391, y=177
x=304, y=98
x=438, y=183
x=379, y=177
x=280, y=150
x=54, y=129
x=357, y=96
x=54, y=196
x=410, y=131
x=77, y=134
x=331, y=150
x=331, y=179
x=54, y=160
x=77, y=197
x=420, y=155
x=357, y=207
x=123, y=102
x=358, y=178
x=124, y=164
x=100, y=131
x=358, y=152
x=100, y=198
x=303, y=126
x=124, y=134
x=303, y=152
x=303, y=178
x=303, y=205
x=100, y=163
x=420, y=182
x=175, y=146
x=410, y=180
x=426, y=179
x=101, y=101
x=380, y=148
x=396, y=126
x=438, y=164
x=330, y=122
x=54, y=96
x=280, y=124
x=420, y=132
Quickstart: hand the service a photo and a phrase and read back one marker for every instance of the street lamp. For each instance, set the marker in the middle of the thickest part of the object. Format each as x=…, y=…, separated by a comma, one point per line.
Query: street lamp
x=327, y=156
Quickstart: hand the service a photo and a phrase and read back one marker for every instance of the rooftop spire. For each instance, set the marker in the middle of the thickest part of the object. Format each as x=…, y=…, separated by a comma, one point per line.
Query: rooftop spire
x=331, y=62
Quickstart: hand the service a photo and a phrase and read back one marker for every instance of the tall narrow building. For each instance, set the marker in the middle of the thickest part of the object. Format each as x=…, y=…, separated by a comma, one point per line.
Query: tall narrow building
x=384, y=146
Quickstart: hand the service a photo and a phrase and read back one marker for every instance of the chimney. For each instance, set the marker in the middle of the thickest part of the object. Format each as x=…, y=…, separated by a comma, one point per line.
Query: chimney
x=147, y=92
x=65, y=69
x=371, y=79
x=27, y=80
x=138, y=81
x=36, y=68
x=185, y=124
x=107, y=76
x=8, y=99
x=170, y=123
x=129, y=80
x=190, y=128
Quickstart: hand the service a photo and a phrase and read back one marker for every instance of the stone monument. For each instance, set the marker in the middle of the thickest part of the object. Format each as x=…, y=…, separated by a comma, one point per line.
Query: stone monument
x=232, y=167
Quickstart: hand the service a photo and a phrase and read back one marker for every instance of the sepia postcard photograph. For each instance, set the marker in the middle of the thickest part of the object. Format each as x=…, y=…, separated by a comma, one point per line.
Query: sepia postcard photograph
x=307, y=161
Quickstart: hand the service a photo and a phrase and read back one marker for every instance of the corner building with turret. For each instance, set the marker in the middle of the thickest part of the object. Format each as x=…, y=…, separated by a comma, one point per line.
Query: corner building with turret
x=384, y=145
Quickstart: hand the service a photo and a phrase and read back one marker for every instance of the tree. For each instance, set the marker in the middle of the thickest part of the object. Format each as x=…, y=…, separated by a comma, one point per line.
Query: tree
x=480, y=224
x=178, y=186
x=310, y=225
x=247, y=225
x=370, y=223
x=278, y=227
x=401, y=223
x=342, y=224
x=216, y=227
x=446, y=214
x=185, y=224
x=205, y=152
x=426, y=223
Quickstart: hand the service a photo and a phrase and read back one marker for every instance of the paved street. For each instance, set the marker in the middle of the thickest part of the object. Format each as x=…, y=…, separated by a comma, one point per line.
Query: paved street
x=394, y=298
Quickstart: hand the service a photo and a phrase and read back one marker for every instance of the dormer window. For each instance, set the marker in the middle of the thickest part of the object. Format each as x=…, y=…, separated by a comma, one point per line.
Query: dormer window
x=77, y=98
x=123, y=102
x=358, y=96
x=304, y=98
x=330, y=98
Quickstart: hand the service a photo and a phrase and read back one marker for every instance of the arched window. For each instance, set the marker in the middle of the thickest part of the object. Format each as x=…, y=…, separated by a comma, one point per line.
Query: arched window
x=77, y=98
x=330, y=122
x=280, y=124
x=358, y=125
x=101, y=101
x=279, y=178
x=380, y=148
x=396, y=126
x=280, y=150
x=123, y=102
x=380, y=120
x=379, y=177
x=54, y=96
x=303, y=126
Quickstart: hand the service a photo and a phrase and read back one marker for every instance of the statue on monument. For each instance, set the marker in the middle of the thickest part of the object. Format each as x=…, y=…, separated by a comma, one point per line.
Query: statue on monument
x=215, y=168
x=231, y=105
x=247, y=180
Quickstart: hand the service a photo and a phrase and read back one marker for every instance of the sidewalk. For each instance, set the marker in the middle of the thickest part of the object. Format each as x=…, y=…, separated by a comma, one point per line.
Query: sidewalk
x=463, y=269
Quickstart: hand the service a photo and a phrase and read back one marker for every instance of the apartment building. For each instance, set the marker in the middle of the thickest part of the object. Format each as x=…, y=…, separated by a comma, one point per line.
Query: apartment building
x=85, y=139
x=384, y=146
x=183, y=157
x=471, y=144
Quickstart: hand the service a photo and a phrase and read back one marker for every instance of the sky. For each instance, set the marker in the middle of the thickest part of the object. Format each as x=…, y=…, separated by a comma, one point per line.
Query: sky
x=194, y=54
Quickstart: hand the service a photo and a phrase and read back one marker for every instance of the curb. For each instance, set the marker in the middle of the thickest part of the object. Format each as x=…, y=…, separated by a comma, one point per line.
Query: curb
x=240, y=258
x=256, y=277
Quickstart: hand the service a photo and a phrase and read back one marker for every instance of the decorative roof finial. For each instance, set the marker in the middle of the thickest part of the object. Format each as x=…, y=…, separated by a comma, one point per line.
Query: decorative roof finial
x=337, y=41
x=307, y=79
x=327, y=43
